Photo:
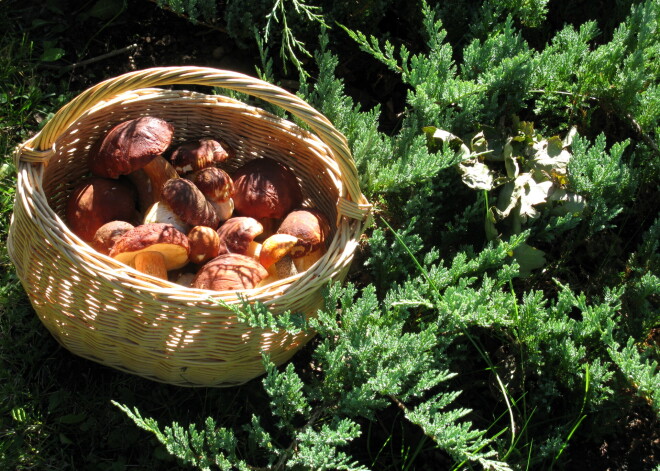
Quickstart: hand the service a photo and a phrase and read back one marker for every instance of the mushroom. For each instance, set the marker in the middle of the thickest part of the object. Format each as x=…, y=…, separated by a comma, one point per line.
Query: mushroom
x=204, y=244
x=108, y=234
x=130, y=146
x=275, y=257
x=237, y=235
x=149, y=181
x=216, y=185
x=153, y=249
x=97, y=201
x=230, y=272
x=311, y=228
x=134, y=148
x=183, y=205
x=265, y=189
x=198, y=154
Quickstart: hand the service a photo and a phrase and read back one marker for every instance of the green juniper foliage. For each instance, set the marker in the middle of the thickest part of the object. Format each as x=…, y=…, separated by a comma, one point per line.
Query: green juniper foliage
x=437, y=338
x=405, y=340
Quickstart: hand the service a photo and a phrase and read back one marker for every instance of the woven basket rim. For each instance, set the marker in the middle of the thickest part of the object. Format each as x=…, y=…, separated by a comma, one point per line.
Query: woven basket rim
x=166, y=290
x=161, y=301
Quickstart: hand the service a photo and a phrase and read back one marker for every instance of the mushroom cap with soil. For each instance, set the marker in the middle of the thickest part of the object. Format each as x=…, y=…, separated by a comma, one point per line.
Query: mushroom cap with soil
x=265, y=188
x=230, y=272
x=130, y=146
x=152, y=249
x=97, y=201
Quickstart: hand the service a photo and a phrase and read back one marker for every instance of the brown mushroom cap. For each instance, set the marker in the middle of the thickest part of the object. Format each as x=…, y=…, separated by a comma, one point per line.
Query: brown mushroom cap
x=154, y=237
x=196, y=155
x=265, y=188
x=188, y=203
x=204, y=244
x=97, y=201
x=214, y=183
x=237, y=233
x=230, y=272
x=108, y=234
x=310, y=226
x=129, y=146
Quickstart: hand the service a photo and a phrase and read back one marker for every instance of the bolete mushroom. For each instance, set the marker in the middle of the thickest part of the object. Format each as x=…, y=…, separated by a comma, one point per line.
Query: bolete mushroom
x=230, y=272
x=97, y=201
x=153, y=249
x=265, y=189
x=237, y=235
x=183, y=205
x=135, y=148
x=275, y=257
x=130, y=146
x=204, y=244
x=198, y=154
x=311, y=228
x=108, y=234
x=217, y=186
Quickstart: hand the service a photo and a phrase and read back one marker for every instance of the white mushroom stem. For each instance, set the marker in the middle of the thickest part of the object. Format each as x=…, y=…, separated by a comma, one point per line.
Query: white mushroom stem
x=224, y=209
x=161, y=212
x=151, y=263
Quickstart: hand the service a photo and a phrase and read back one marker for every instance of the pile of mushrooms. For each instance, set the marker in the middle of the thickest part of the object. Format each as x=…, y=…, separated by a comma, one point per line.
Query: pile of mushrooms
x=172, y=211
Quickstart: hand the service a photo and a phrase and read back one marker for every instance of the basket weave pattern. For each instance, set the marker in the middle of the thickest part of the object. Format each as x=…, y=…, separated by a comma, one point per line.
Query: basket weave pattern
x=108, y=312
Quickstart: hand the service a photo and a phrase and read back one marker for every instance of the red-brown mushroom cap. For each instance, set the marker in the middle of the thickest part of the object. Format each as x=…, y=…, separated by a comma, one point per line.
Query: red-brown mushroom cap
x=154, y=237
x=108, y=234
x=214, y=183
x=204, y=244
x=129, y=146
x=230, y=272
x=237, y=233
x=310, y=226
x=97, y=201
x=265, y=188
x=195, y=155
x=188, y=203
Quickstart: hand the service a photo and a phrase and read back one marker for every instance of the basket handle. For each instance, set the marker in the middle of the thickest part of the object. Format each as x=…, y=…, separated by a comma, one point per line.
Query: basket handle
x=40, y=147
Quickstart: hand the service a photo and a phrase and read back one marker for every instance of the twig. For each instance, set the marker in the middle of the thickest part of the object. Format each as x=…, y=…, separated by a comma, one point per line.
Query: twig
x=645, y=137
x=294, y=443
x=631, y=120
x=107, y=55
x=561, y=92
x=91, y=60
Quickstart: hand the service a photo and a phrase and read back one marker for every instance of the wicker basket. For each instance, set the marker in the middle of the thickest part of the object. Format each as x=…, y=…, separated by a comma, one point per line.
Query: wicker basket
x=108, y=312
